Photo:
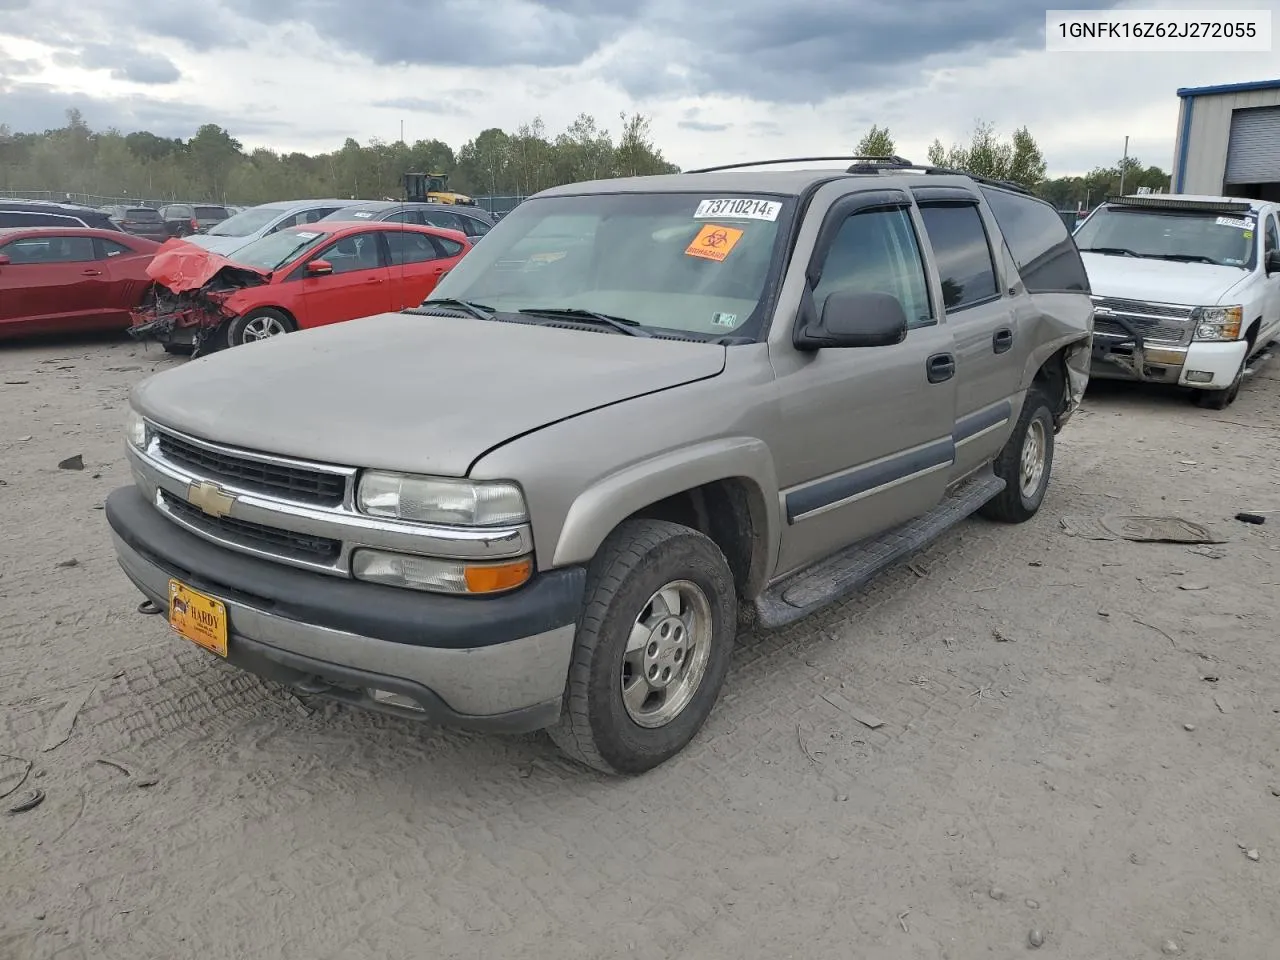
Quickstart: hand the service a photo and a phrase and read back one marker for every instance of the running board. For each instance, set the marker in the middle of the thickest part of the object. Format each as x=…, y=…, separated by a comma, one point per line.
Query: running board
x=834, y=578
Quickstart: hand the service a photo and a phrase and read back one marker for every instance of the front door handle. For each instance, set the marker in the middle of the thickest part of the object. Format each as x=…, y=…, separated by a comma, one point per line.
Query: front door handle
x=1002, y=340
x=374, y=280
x=93, y=273
x=941, y=367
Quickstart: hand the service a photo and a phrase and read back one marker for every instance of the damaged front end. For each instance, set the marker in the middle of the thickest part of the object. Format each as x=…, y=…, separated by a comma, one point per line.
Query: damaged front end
x=188, y=302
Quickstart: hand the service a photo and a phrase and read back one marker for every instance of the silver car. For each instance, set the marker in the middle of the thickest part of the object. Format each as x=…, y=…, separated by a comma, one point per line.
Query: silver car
x=238, y=231
x=640, y=413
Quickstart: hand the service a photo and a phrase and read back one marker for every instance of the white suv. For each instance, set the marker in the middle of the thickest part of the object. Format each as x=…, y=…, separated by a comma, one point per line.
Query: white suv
x=1186, y=289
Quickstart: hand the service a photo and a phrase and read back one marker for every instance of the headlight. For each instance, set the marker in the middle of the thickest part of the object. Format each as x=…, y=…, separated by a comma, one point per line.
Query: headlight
x=1218, y=323
x=439, y=576
x=136, y=431
x=459, y=503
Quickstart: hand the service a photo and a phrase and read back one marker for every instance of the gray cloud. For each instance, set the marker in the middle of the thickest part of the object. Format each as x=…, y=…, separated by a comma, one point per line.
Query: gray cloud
x=703, y=126
x=439, y=106
x=124, y=62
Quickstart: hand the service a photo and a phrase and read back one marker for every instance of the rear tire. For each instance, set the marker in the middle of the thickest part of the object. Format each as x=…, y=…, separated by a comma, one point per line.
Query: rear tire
x=644, y=676
x=1024, y=464
x=259, y=325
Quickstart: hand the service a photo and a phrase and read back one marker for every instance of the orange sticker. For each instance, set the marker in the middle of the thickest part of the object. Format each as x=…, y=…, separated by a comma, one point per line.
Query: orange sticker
x=714, y=242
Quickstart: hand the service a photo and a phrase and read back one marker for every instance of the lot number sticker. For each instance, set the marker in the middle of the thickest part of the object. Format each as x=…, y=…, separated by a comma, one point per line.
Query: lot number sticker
x=714, y=242
x=1232, y=222
x=738, y=207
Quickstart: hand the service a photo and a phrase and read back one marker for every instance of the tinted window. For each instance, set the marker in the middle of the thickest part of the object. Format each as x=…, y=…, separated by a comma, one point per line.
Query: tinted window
x=177, y=210
x=1271, y=241
x=442, y=219
x=212, y=213
x=405, y=216
x=962, y=253
x=109, y=248
x=451, y=248
x=142, y=215
x=352, y=253
x=23, y=219
x=1039, y=243
x=50, y=250
x=876, y=252
x=472, y=227
x=407, y=247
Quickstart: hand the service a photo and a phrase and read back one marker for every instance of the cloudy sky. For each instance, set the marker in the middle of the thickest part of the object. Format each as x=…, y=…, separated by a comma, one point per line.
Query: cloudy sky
x=722, y=81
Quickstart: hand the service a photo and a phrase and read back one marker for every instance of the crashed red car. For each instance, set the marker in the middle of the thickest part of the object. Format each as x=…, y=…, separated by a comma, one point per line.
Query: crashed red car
x=296, y=278
x=70, y=279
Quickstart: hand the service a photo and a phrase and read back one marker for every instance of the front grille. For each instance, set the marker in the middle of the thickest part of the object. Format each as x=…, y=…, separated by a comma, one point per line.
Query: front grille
x=299, y=546
x=292, y=483
x=1166, y=323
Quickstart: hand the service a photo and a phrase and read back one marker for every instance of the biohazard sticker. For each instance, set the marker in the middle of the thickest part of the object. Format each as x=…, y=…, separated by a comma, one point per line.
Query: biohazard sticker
x=714, y=242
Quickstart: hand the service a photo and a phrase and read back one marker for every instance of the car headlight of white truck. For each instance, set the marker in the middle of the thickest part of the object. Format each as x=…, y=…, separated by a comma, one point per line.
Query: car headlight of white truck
x=1218, y=323
x=136, y=431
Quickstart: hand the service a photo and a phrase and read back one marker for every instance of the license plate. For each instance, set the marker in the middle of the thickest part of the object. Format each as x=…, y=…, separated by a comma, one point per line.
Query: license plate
x=199, y=618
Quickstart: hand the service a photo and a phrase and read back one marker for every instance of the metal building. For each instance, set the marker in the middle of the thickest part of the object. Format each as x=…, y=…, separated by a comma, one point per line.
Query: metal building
x=1229, y=140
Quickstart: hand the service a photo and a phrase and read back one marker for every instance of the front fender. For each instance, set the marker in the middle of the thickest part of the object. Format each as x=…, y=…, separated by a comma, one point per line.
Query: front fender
x=600, y=508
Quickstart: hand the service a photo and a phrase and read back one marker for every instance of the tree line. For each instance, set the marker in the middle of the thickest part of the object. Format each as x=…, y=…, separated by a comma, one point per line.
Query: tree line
x=1019, y=160
x=214, y=166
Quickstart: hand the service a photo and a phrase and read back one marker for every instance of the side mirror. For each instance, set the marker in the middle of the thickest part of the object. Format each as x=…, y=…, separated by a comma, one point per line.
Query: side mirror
x=1272, y=264
x=4, y=260
x=854, y=319
x=319, y=268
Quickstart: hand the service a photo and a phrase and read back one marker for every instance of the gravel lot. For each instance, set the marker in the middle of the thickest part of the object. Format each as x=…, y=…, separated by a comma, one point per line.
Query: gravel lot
x=1086, y=776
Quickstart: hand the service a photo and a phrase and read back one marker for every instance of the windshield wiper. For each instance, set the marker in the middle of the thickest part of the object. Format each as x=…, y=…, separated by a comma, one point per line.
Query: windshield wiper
x=1186, y=258
x=631, y=328
x=1114, y=251
x=478, y=310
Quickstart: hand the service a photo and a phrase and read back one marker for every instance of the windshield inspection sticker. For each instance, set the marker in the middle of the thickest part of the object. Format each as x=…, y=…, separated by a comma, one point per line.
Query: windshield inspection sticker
x=306, y=236
x=1232, y=222
x=714, y=242
x=363, y=214
x=724, y=319
x=738, y=207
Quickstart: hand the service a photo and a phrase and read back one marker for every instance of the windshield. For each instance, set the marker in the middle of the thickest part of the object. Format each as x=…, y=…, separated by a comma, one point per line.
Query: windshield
x=142, y=214
x=277, y=249
x=1180, y=235
x=693, y=262
x=243, y=224
x=212, y=213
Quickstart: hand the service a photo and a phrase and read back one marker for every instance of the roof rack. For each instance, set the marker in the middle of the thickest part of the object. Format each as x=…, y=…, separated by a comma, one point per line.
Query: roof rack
x=1172, y=201
x=877, y=165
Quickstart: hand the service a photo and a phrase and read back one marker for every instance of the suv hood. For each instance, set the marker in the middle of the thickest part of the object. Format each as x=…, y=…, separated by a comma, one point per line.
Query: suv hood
x=222, y=245
x=1161, y=281
x=408, y=392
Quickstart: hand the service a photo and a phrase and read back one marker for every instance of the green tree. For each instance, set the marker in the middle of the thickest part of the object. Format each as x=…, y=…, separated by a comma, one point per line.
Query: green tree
x=213, y=153
x=876, y=142
x=1018, y=159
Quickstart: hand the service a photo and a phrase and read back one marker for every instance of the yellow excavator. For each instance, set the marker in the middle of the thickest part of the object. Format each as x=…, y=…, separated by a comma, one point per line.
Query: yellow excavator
x=432, y=188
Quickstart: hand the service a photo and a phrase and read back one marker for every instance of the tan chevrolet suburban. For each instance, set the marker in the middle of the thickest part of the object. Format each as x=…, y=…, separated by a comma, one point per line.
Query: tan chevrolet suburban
x=641, y=414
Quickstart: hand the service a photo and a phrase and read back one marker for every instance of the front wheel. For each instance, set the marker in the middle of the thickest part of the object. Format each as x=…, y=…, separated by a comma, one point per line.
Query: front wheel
x=652, y=648
x=258, y=325
x=1024, y=464
x=1221, y=399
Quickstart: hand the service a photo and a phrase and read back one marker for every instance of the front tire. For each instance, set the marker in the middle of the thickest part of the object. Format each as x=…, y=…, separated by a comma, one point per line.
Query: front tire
x=1221, y=399
x=652, y=649
x=1024, y=464
x=258, y=325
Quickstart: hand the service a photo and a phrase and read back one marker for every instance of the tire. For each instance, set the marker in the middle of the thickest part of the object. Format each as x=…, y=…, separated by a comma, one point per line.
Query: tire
x=1221, y=399
x=265, y=323
x=1021, y=497
x=613, y=719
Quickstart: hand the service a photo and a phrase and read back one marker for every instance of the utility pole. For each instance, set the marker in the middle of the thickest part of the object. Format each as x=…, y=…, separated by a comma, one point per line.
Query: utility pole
x=402, y=131
x=1124, y=162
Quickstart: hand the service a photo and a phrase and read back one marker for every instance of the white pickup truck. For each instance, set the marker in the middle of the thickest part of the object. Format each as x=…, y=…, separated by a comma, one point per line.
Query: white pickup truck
x=1186, y=289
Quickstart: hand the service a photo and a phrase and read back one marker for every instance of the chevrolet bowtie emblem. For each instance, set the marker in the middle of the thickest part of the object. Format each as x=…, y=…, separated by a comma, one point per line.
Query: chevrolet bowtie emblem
x=210, y=498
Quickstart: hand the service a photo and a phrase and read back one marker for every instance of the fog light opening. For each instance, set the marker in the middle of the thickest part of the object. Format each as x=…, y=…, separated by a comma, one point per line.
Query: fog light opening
x=1200, y=376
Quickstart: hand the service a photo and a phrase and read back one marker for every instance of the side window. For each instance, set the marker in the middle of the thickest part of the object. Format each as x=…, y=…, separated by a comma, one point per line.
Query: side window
x=441, y=218
x=449, y=248
x=109, y=248
x=474, y=228
x=409, y=247
x=50, y=250
x=404, y=216
x=1040, y=244
x=358, y=252
x=311, y=216
x=877, y=252
x=1271, y=240
x=962, y=252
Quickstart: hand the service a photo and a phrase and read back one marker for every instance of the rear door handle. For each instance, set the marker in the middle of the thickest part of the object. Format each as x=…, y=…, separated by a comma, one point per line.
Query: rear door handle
x=93, y=273
x=1002, y=340
x=941, y=367
x=374, y=280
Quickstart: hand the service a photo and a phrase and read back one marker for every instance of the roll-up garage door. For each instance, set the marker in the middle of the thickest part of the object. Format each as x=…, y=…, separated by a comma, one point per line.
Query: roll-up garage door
x=1253, y=155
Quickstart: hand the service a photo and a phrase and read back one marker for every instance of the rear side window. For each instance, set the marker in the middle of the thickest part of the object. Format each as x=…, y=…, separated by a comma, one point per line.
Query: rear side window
x=19, y=218
x=1270, y=239
x=449, y=248
x=962, y=253
x=212, y=213
x=1042, y=248
x=50, y=250
x=109, y=248
x=409, y=247
x=442, y=219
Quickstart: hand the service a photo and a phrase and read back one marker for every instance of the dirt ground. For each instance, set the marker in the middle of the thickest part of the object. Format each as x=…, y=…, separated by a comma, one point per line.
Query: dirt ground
x=1073, y=742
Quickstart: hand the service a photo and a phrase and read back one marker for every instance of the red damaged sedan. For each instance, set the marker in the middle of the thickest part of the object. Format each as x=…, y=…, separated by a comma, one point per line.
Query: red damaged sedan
x=300, y=277
x=70, y=279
